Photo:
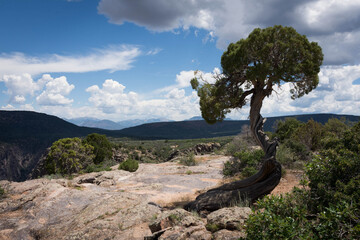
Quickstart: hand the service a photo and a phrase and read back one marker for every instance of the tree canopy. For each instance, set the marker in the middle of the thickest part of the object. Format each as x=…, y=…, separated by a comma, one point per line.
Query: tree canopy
x=251, y=67
x=102, y=147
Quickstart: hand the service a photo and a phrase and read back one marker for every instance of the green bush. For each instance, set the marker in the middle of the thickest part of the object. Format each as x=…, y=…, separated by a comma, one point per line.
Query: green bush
x=244, y=162
x=285, y=129
x=310, y=135
x=129, y=165
x=68, y=155
x=97, y=168
x=102, y=147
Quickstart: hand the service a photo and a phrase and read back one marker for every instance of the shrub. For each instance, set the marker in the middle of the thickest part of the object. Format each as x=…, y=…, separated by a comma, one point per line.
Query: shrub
x=102, y=147
x=310, y=134
x=244, y=162
x=285, y=129
x=68, y=155
x=188, y=160
x=2, y=193
x=129, y=165
x=97, y=168
x=238, y=144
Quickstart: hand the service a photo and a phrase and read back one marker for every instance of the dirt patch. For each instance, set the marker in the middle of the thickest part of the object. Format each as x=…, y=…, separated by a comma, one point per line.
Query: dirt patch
x=287, y=183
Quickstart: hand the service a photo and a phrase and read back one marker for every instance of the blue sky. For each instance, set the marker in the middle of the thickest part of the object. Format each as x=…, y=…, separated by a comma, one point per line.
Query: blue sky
x=124, y=59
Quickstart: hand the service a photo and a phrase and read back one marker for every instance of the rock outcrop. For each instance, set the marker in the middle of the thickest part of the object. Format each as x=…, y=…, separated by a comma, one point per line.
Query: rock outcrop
x=61, y=209
x=106, y=205
x=182, y=225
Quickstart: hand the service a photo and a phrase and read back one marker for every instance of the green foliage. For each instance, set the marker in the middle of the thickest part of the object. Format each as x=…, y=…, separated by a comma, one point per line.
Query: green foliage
x=212, y=227
x=336, y=127
x=253, y=65
x=102, y=147
x=2, y=193
x=97, y=168
x=245, y=162
x=281, y=217
x=129, y=165
x=310, y=135
x=68, y=155
x=284, y=129
x=188, y=160
x=329, y=208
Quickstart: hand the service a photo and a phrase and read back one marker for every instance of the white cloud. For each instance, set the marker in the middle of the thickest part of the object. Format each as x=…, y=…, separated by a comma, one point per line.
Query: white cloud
x=335, y=24
x=19, y=86
x=154, y=51
x=26, y=107
x=113, y=59
x=8, y=107
x=112, y=100
x=111, y=97
x=176, y=94
x=55, y=91
x=184, y=77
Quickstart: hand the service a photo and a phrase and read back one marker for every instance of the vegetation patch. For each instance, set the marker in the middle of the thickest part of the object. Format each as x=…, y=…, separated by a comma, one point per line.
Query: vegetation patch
x=329, y=206
x=68, y=155
x=188, y=160
x=246, y=163
x=2, y=193
x=212, y=227
x=129, y=165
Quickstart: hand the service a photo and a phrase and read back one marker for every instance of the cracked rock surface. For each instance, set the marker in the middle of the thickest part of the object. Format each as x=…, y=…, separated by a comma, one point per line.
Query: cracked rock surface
x=105, y=205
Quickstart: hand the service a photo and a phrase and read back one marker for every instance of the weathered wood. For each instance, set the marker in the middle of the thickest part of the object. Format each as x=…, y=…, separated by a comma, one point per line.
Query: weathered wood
x=252, y=188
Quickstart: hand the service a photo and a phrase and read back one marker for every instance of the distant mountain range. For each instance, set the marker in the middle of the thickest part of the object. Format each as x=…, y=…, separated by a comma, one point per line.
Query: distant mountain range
x=111, y=125
x=25, y=136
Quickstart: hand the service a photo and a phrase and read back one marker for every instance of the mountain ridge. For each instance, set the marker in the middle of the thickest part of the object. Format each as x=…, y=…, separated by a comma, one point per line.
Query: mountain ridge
x=25, y=135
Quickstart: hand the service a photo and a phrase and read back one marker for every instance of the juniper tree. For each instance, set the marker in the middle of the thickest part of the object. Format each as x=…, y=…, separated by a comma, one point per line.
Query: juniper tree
x=251, y=68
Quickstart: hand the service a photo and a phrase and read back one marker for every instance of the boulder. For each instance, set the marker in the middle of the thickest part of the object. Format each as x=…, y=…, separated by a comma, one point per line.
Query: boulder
x=228, y=235
x=231, y=218
x=176, y=217
x=206, y=147
x=190, y=233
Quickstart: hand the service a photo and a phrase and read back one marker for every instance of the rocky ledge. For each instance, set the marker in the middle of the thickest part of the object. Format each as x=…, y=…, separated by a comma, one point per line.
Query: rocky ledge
x=118, y=205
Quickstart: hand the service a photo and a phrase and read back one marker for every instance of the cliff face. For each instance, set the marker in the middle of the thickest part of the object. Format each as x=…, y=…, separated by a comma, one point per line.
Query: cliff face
x=17, y=160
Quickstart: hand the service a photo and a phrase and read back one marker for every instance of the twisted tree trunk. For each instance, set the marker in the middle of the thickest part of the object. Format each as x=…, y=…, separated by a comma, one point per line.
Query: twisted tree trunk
x=252, y=188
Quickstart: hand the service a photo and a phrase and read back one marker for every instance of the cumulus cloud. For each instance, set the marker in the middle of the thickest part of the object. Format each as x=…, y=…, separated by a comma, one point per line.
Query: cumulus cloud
x=113, y=59
x=335, y=24
x=184, y=77
x=55, y=91
x=111, y=97
x=19, y=87
x=112, y=100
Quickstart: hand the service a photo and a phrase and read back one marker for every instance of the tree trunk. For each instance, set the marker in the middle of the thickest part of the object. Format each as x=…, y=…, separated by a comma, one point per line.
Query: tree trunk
x=254, y=187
